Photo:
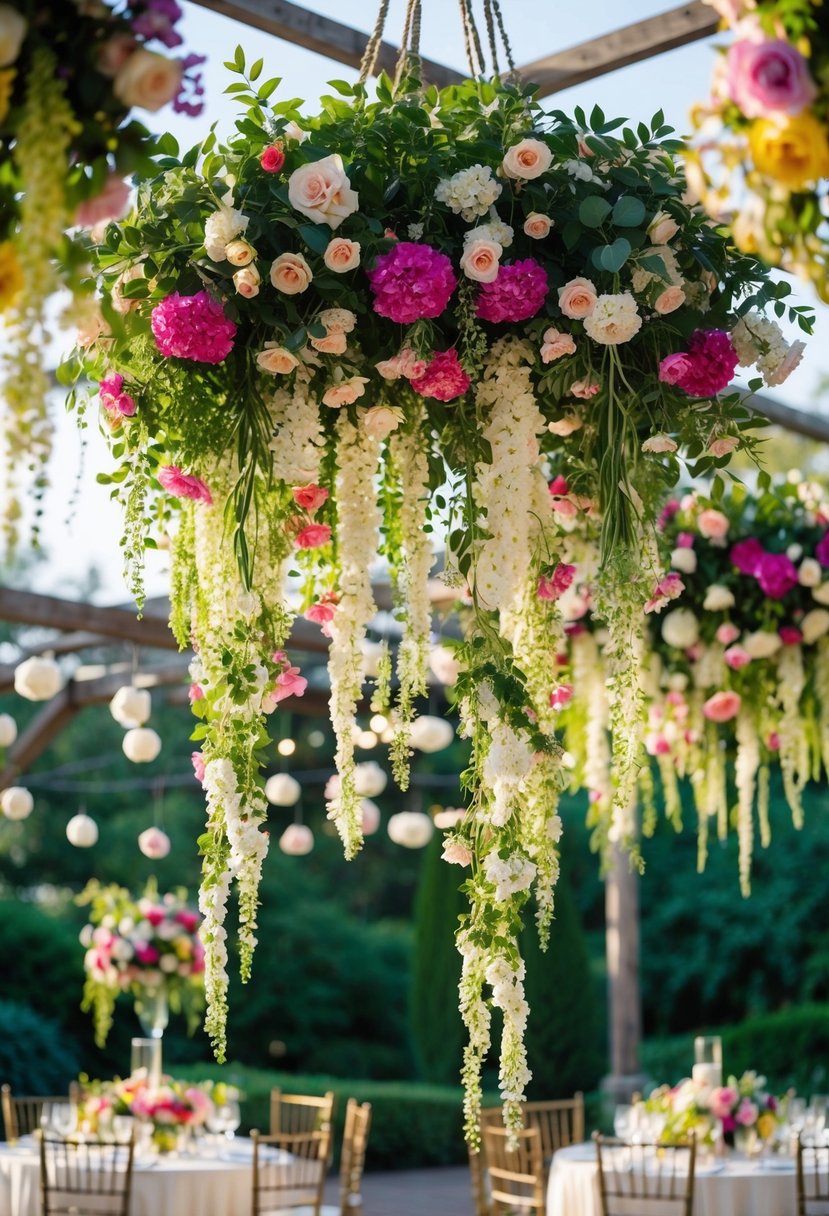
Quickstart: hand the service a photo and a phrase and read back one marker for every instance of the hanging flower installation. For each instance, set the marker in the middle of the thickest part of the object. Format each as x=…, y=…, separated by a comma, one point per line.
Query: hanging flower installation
x=70, y=76
x=338, y=334
x=762, y=151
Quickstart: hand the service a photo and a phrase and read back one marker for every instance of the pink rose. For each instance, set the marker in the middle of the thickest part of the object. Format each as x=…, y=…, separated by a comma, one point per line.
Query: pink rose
x=790, y=635
x=456, y=852
x=346, y=392
x=291, y=274
x=555, y=345
x=577, y=299
x=110, y=204
x=560, y=696
x=668, y=588
x=331, y=344
x=114, y=53
x=272, y=158
x=310, y=497
x=537, y=225
x=322, y=191
x=480, y=260
x=768, y=77
x=722, y=1100
x=553, y=586
x=713, y=525
x=723, y=445
x=657, y=745
x=727, y=633
x=737, y=657
x=746, y=1113
x=584, y=389
x=312, y=536
x=722, y=706
x=342, y=255
x=289, y=683
x=669, y=300
x=321, y=613
x=662, y=228
x=527, y=160
x=184, y=485
x=148, y=80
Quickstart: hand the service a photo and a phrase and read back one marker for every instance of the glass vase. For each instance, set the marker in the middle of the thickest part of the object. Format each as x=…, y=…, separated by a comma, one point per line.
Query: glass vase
x=746, y=1141
x=152, y=1010
x=707, y=1068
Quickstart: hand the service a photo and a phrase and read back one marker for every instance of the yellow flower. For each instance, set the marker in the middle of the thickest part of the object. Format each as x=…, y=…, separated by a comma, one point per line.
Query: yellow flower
x=794, y=151
x=6, y=82
x=11, y=275
x=765, y=1126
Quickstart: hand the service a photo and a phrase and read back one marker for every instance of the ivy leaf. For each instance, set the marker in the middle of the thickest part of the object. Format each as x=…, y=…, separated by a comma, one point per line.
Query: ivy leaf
x=594, y=210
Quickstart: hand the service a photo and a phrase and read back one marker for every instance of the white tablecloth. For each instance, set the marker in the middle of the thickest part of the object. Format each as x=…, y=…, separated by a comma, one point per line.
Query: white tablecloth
x=730, y=1187
x=161, y=1186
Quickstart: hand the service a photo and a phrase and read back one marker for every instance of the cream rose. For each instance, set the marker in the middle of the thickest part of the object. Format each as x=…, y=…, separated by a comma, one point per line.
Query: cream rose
x=615, y=319
x=322, y=192
x=338, y=320
x=276, y=360
x=555, y=345
x=331, y=344
x=13, y=28
x=537, y=225
x=577, y=299
x=680, y=628
x=247, y=281
x=718, y=599
x=381, y=420
x=527, y=160
x=119, y=301
x=821, y=593
x=346, y=392
x=669, y=300
x=662, y=228
x=240, y=253
x=762, y=644
x=220, y=232
x=148, y=80
x=809, y=573
x=342, y=255
x=291, y=274
x=480, y=260
x=814, y=625
x=659, y=443
x=684, y=560
x=565, y=426
x=713, y=525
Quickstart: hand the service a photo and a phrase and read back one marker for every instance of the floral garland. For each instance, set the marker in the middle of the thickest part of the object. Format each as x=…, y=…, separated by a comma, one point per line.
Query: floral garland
x=69, y=78
x=762, y=151
x=395, y=314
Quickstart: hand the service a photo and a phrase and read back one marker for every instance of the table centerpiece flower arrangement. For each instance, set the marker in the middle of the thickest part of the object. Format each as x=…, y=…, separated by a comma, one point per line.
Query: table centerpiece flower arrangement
x=168, y=1107
x=336, y=336
x=761, y=156
x=71, y=77
x=743, y=1112
x=149, y=947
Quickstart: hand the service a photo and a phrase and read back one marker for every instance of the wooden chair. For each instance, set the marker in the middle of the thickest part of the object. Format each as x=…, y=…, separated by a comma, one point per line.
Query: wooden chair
x=85, y=1177
x=352, y=1159
x=302, y=1113
x=289, y=1171
x=647, y=1175
x=516, y=1177
x=490, y=1116
x=21, y=1116
x=559, y=1124
x=812, y=1180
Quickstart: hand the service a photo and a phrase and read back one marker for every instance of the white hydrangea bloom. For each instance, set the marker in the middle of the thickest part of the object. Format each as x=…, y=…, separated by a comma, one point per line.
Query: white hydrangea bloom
x=470, y=192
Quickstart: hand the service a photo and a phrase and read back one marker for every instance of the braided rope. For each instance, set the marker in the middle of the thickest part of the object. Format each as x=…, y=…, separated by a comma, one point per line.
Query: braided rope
x=409, y=58
x=472, y=41
x=370, y=55
x=505, y=42
x=491, y=37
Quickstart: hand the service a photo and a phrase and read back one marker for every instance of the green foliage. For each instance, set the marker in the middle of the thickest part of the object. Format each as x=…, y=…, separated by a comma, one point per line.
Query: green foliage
x=36, y=1056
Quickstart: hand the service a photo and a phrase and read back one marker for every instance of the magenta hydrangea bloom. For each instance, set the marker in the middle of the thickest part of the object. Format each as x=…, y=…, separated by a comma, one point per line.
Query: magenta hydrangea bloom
x=444, y=378
x=822, y=550
x=747, y=554
x=776, y=574
x=411, y=281
x=706, y=368
x=193, y=327
x=516, y=293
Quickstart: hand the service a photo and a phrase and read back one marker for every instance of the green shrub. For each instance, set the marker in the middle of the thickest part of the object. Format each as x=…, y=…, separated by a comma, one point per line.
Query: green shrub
x=36, y=1056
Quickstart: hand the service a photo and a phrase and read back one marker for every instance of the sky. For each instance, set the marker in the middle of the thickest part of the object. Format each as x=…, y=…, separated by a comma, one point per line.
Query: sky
x=672, y=82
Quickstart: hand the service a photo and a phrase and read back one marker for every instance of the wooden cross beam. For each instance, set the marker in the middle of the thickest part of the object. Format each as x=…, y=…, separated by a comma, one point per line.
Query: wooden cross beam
x=50, y=612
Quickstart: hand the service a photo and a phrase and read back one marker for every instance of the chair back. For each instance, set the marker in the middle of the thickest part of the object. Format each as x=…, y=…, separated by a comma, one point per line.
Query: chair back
x=645, y=1179
x=353, y=1156
x=22, y=1115
x=289, y=1171
x=292, y=1113
x=516, y=1175
x=85, y=1177
x=559, y=1124
x=477, y=1163
x=812, y=1179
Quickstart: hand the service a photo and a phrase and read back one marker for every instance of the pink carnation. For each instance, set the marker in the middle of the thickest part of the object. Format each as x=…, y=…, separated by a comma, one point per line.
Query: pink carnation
x=183, y=485
x=114, y=399
x=312, y=536
x=722, y=706
x=517, y=293
x=667, y=589
x=309, y=497
x=411, y=281
x=444, y=378
x=193, y=327
x=746, y=555
x=768, y=77
x=553, y=586
x=706, y=368
x=776, y=574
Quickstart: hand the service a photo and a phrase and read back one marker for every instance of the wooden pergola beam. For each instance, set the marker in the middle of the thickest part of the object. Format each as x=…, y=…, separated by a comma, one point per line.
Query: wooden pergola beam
x=50, y=612
x=812, y=426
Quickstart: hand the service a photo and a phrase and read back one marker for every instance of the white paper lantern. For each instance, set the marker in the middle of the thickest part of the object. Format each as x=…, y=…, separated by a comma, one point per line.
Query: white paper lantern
x=372, y=653
x=131, y=706
x=430, y=734
x=82, y=831
x=37, y=679
x=370, y=813
x=16, y=802
x=369, y=779
x=141, y=744
x=8, y=730
x=444, y=664
x=296, y=840
x=154, y=843
x=411, y=829
x=282, y=790
x=449, y=817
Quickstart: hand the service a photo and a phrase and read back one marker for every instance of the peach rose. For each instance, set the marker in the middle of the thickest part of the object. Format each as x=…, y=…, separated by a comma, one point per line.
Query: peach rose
x=276, y=360
x=669, y=300
x=118, y=300
x=239, y=253
x=331, y=344
x=148, y=80
x=565, y=426
x=381, y=420
x=114, y=53
x=342, y=255
x=406, y=364
x=346, y=392
x=577, y=298
x=537, y=225
x=247, y=281
x=722, y=706
x=322, y=192
x=109, y=204
x=291, y=274
x=480, y=260
x=723, y=445
x=662, y=228
x=555, y=345
x=526, y=160
x=713, y=525
x=659, y=443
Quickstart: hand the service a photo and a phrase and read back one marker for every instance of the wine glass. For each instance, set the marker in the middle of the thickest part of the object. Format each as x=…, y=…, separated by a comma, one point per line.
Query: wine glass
x=59, y=1117
x=817, y=1113
x=623, y=1122
x=233, y=1117
x=216, y=1124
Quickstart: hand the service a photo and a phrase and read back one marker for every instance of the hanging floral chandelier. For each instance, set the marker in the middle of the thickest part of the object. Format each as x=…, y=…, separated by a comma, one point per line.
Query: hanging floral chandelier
x=337, y=337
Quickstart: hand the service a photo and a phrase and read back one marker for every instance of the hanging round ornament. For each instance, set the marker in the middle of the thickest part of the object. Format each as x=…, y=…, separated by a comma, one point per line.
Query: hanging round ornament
x=370, y=779
x=8, y=730
x=411, y=829
x=430, y=734
x=154, y=843
x=82, y=831
x=282, y=790
x=141, y=744
x=296, y=840
x=369, y=816
x=131, y=707
x=38, y=678
x=16, y=802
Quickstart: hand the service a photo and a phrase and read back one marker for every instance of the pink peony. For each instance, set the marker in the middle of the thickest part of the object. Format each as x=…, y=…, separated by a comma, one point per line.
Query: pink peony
x=667, y=589
x=722, y=706
x=746, y=1113
x=706, y=368
x=411, y=281
x=193, y=327
x=114, y=399
x=312, y=536
x=444, y=378
x=561, y=695
x=289, y=683
x=110, y=204
x=768, y=77
x=516, y=294
x=197, y=760
x=822, y=550
x=727, y=633
x=746, y=555
x=722, y=1100
x=553, y=586
x=309, y=497
x=183, y=485
x=790, y=635
x=737, y=657
x=776, y=574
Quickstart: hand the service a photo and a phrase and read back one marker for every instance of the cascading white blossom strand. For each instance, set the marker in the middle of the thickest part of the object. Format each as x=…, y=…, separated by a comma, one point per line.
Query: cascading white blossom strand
x=794, y=745
x=358, y=521
x=745, y=778
x=477, y=1019
x=298, y=441
x=410, y=455
x=822, y=695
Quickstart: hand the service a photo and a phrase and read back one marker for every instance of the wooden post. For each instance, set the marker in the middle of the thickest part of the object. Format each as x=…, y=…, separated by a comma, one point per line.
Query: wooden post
x=624, y=998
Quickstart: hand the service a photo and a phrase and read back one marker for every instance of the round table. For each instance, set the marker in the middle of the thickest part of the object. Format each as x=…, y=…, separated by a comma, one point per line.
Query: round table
x=728, y=1186
x=169, y=1185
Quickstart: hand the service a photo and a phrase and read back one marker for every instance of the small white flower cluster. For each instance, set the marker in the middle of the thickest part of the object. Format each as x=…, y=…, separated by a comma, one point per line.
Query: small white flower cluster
x=745, y=778
x=509, y=874
x=508, y=995
x=470, y=192
x=298, y=440
x=477, y=1019
x=494, y=230
x=580, y=171
x=794, y=744
x=248, y=845
x=507, y=764
x=759, y=340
